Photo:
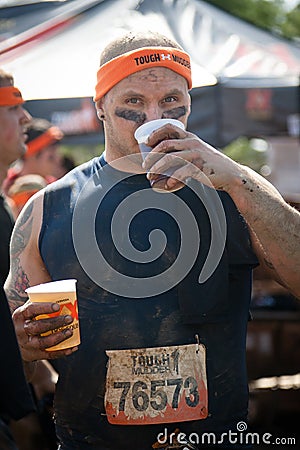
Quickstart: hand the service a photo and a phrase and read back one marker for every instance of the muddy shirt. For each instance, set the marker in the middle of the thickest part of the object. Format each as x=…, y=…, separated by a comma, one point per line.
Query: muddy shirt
x=215, y=311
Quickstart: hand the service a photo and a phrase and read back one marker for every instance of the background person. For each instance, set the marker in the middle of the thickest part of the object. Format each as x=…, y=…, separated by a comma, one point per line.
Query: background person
x=15, y=397
x=14, y=119
x=42, y=156
x=98, y=404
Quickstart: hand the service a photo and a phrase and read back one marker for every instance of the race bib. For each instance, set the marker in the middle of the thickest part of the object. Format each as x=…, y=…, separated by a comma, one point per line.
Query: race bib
x=156, y=385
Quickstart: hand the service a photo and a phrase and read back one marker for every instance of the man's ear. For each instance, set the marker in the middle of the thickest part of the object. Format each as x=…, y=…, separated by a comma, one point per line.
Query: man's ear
x=99, y=108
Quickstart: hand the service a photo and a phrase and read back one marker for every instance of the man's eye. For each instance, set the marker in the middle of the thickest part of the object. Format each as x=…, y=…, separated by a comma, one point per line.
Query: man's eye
x=170, y=99
x=133, y=100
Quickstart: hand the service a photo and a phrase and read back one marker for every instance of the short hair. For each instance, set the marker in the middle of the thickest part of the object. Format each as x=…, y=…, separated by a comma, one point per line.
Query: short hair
x=133, y=41
x=6, y=78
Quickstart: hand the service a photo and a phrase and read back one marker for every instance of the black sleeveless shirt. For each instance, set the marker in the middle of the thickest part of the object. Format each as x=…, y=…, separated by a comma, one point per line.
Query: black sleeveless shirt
x=116, y=313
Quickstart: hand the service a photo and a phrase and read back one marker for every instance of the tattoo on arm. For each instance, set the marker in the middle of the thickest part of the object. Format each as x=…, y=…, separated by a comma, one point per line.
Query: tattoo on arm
x=18, y=279
x=22, y=233
x=16, y=289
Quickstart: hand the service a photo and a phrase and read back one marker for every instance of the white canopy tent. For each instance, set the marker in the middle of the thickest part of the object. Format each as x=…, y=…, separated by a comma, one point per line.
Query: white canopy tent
x=58, y=55
x=53, y=51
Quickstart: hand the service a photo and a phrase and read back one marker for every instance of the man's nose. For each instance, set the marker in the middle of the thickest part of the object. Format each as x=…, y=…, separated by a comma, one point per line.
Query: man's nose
x=153, y=113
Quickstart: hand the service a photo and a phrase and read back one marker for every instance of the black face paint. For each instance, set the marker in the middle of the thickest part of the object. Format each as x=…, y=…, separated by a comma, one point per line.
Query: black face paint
x=175, y=113
x=134, y=116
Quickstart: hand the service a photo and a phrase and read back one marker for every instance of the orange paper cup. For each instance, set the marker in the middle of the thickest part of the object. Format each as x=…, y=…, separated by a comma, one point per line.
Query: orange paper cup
x=62, y=292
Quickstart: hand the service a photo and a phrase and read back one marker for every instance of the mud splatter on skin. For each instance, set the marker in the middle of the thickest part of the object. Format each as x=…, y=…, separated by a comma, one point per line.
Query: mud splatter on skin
x=249, y=189
x=134, y=116
x=140, y=117
x=175, y=113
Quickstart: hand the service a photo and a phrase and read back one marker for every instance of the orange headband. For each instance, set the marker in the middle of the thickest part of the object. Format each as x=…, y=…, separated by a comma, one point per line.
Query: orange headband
x=122, y=66
x=50, y=136
x=10, y=96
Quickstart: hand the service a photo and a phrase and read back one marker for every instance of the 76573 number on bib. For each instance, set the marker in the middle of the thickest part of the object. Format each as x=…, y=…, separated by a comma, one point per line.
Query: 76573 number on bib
x=156, y=385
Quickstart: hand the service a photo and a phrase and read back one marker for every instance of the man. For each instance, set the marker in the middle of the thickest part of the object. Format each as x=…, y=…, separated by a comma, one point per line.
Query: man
x=164, y=279
x=14, y=119
x=41, y=158
x=15, y=397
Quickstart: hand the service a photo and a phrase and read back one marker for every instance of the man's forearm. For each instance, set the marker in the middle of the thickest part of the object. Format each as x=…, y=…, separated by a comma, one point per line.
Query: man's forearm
x=275, y=224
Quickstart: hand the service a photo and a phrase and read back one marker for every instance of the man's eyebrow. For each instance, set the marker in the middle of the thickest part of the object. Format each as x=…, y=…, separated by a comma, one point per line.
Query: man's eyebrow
x=173, y=92
x=132, y=93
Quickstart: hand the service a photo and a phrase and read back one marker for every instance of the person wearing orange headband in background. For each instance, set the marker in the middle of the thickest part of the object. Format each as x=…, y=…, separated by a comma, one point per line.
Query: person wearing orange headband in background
x=41, y=158
x=14, y=120
x=15, y=397
x=163, y=278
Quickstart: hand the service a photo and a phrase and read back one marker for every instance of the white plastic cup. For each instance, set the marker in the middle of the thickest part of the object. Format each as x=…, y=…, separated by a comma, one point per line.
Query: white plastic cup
x=141, y=135
x=62, y=292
